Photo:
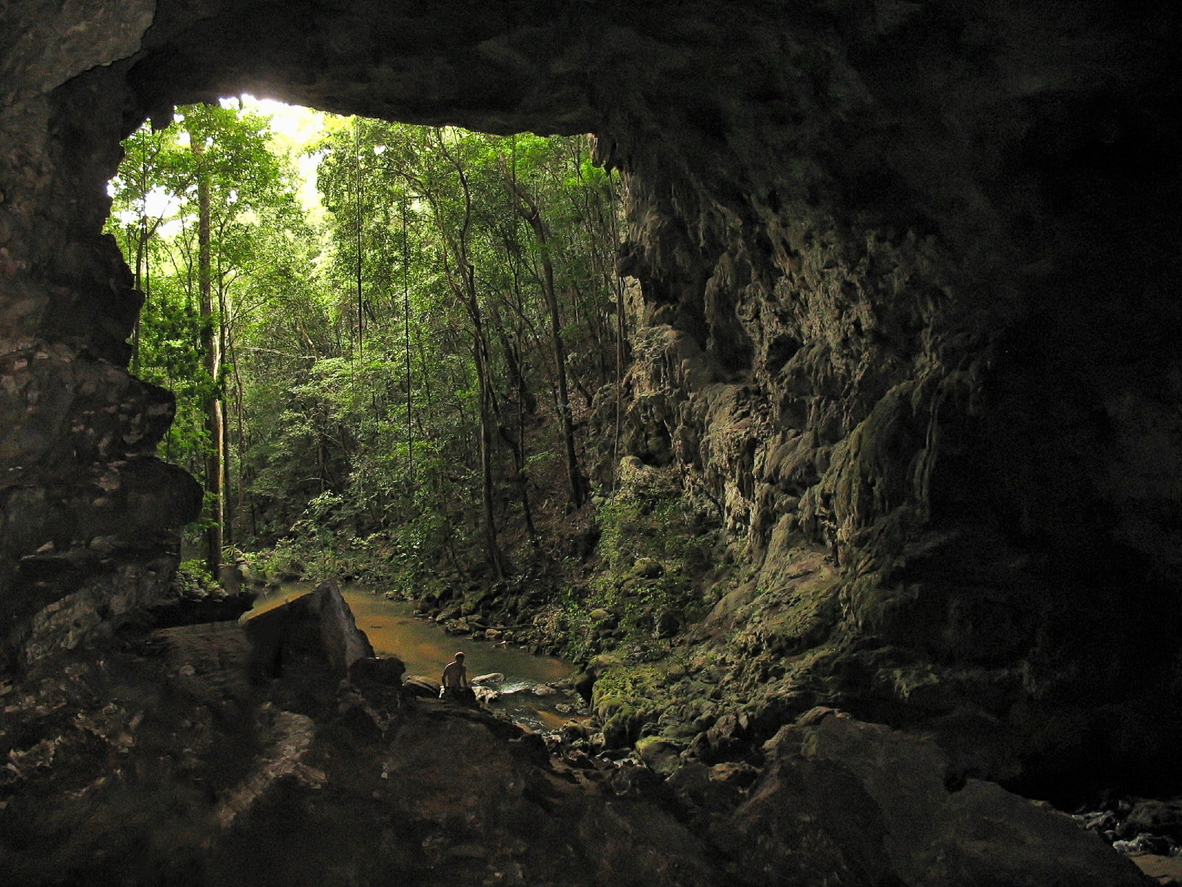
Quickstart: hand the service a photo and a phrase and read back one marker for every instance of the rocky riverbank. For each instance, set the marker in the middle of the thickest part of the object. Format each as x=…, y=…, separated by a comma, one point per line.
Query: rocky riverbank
x=211, y=755
x=690, y=653
x=1148, y=830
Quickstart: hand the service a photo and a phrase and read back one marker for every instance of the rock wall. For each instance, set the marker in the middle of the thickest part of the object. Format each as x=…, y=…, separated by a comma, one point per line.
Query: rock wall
x=906, y=304
x=905, y=274
x=88, y=515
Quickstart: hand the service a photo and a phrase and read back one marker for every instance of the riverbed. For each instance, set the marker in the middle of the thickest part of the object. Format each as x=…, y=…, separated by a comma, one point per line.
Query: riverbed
x=394, y=630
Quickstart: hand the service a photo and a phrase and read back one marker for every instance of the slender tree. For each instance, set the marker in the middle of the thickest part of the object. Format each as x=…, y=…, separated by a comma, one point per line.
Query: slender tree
x=528, y=209
x=205, y=174
x=210, y=349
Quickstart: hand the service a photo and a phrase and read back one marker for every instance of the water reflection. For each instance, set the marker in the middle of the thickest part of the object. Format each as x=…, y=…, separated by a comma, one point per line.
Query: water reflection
x=426, y=648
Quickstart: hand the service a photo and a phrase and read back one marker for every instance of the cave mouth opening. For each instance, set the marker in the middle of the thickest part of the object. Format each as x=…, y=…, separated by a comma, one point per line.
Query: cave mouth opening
x=639, y=80
x=343, y=308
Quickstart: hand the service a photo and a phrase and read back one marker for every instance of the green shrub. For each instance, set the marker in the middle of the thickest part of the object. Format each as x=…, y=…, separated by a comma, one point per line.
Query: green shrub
x=652, y=556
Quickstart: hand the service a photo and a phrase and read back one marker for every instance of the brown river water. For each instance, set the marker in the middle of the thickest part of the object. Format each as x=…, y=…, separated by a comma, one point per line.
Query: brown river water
x=394, y=630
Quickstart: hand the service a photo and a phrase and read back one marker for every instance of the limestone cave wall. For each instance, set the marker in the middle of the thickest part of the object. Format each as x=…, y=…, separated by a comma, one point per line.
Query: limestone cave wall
x=906, y=305
x=908, y=301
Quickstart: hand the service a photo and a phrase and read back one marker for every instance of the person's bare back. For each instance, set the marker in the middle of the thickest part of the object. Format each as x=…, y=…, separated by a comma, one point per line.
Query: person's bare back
x=455, y=678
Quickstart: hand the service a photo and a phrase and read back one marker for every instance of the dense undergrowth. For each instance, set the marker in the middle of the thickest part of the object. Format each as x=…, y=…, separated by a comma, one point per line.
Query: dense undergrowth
x=635, y=570
x=645, y=582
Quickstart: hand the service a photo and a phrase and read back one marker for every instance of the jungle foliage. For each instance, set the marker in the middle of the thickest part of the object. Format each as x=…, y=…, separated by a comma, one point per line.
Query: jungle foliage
x=392, y=385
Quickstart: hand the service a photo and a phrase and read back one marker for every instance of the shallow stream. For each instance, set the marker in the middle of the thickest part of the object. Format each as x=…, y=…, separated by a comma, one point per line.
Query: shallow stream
x=394, y=630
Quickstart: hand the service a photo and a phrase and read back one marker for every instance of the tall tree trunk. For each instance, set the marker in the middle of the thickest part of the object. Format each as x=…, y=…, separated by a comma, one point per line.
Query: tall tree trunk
x=235, y=505
x=210, y=347
x=410, y=429
x=143, y=283
x=140, y=258
x=224, y=408
x=517, y=445
x=227, y=485
x=465, y=292
x=357, y=211
x=529, y=211
x=496, y=557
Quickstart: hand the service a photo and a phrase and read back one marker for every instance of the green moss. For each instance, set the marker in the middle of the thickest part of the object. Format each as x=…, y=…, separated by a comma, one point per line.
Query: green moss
x=636, y=690
x=653, y=554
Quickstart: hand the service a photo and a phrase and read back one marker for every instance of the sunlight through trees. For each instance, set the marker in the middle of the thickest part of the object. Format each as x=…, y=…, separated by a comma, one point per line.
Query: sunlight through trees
x=388, y=379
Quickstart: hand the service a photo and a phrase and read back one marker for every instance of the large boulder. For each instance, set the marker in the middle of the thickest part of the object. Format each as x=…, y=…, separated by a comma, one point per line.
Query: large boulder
x=876, y=806
x=309, y=642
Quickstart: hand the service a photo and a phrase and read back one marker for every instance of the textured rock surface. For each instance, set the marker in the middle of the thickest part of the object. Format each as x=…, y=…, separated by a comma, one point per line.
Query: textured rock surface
x=874, y=807
x=905, y=300
x=302, y=640
x=879, y=803
x=160, y=762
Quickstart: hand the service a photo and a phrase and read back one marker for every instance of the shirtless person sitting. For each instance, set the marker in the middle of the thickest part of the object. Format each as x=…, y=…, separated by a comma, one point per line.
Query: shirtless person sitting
x=455, y=681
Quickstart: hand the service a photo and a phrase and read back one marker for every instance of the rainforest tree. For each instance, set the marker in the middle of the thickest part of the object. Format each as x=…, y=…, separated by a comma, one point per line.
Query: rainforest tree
x=404, y=372
x=192, y=203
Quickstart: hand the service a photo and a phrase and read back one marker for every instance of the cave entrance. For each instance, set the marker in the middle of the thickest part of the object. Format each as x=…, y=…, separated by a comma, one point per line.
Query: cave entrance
x=385, y=340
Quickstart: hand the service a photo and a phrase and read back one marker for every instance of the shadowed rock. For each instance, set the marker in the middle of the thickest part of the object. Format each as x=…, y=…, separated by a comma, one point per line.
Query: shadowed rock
x=873, y=806
x=310, y=643
x=385, y=671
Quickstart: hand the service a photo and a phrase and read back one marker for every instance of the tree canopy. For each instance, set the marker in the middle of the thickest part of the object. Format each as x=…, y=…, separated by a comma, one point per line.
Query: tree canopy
x=399, y=382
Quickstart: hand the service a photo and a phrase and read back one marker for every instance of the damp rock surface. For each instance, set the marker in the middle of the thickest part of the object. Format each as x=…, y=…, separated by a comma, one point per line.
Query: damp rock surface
x=162, y=761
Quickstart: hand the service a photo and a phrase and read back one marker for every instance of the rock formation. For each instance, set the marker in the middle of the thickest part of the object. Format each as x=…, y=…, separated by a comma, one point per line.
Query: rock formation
x=904, y=285
x=303, y=640
x=163, y=763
